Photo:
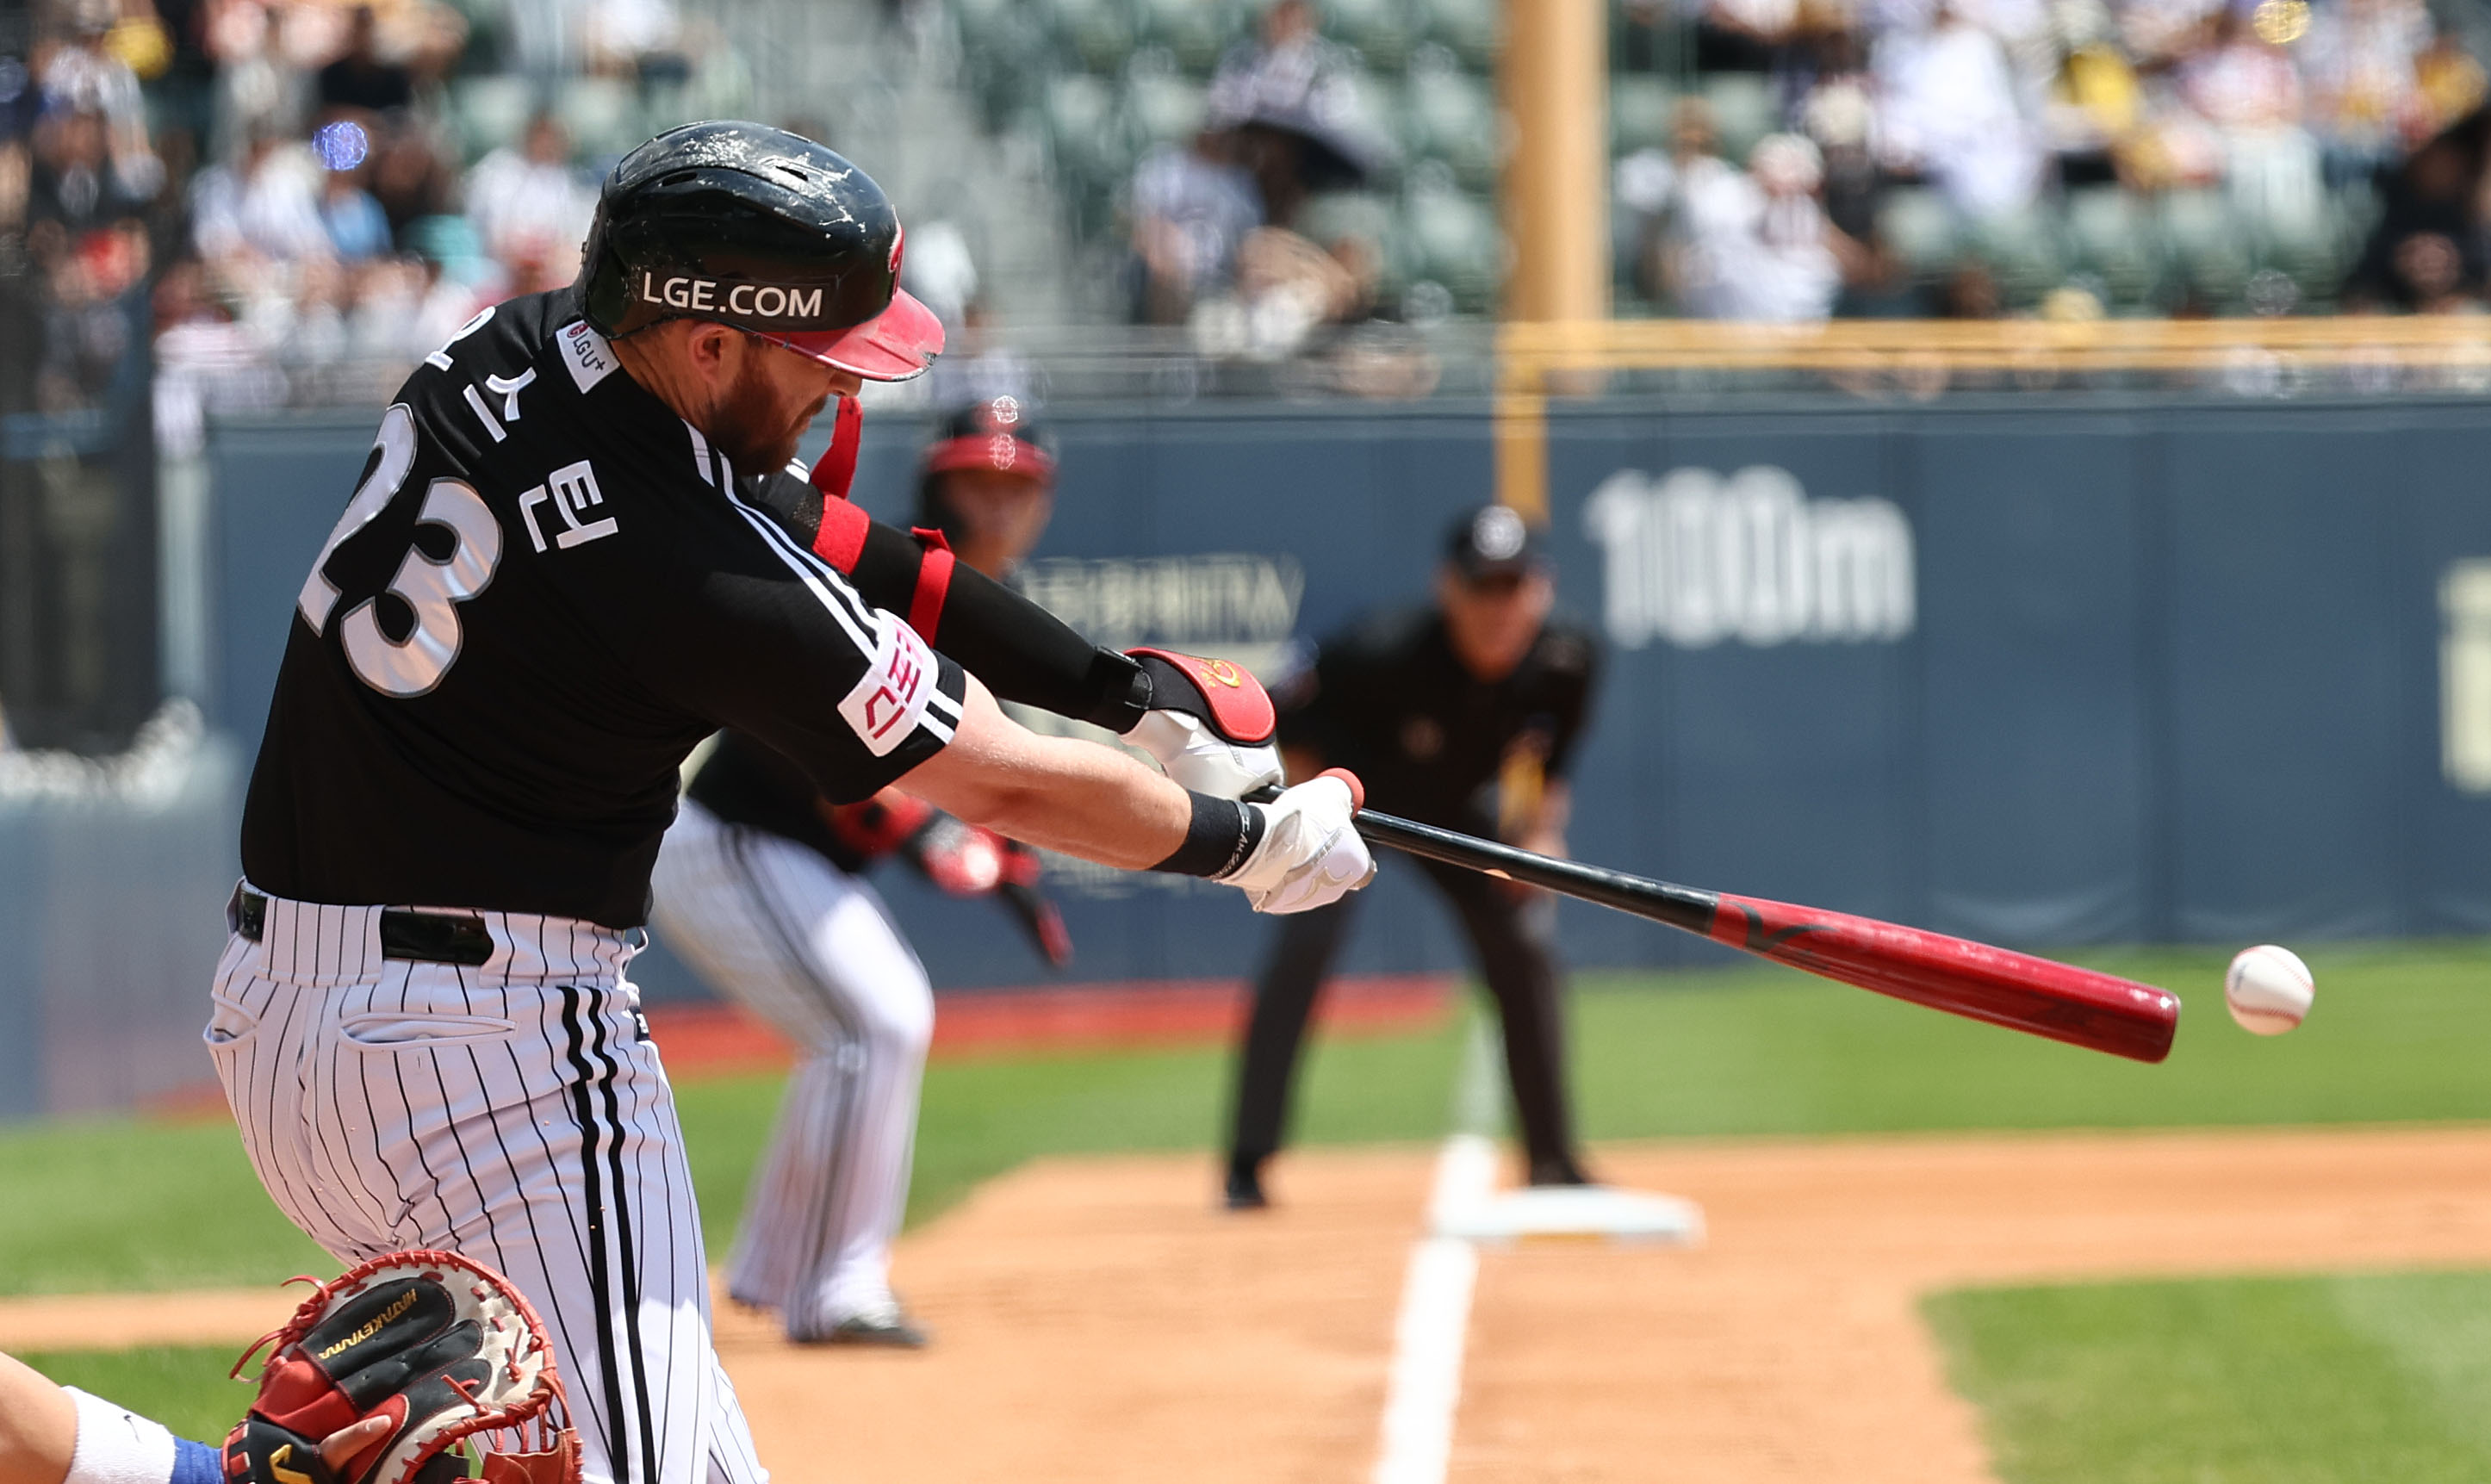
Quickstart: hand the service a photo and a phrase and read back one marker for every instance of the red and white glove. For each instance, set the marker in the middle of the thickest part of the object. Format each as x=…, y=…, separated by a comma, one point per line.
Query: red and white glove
x=962, y=858
x=967, y=860
x=1210, y=724
x=875, y=828
x=1311, y=854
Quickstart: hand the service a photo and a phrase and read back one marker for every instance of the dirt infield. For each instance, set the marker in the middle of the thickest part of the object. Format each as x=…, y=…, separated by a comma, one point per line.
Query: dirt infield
x=1097, y=1321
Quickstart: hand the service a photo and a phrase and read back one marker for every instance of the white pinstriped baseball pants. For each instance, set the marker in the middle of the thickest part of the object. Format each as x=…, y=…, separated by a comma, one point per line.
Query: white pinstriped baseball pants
x=513, y=1112
x=812, y=950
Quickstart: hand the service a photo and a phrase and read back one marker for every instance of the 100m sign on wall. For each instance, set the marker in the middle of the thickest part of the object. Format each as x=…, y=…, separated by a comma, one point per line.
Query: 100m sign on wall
x=1694, y=558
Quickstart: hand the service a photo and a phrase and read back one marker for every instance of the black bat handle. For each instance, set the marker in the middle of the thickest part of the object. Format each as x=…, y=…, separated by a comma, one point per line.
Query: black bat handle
x=1660, y=900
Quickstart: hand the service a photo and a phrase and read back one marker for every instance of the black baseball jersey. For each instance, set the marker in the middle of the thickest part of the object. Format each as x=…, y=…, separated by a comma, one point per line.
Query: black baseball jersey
x=1387, y=699
x=546, y=590
x=745, y=783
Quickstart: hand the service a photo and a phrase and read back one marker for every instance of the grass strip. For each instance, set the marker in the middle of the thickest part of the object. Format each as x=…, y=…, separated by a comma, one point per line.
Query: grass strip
x=2325, y=1380
x=130, y=1204
x=183, y=1386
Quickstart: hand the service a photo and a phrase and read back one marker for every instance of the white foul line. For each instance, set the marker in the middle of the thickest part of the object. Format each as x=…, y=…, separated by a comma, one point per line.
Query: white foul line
x=1426, y=1385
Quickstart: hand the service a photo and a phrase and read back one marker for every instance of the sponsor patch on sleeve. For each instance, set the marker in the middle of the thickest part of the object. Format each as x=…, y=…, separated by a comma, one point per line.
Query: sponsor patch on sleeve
x=885, y=704
x=585, y=352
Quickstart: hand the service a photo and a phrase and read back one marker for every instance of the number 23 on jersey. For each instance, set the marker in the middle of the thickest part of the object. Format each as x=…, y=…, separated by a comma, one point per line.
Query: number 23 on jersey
x=415, y=664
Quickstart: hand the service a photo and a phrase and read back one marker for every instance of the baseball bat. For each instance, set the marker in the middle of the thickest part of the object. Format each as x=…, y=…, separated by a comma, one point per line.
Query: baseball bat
x=2036, y=996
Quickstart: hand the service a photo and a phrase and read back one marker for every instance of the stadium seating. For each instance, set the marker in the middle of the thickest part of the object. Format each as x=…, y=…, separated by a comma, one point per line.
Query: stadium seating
x=1449, y=237
x=2112, y=237
x=1450, y=115
x=1640, y=111
x=1380, y=30
x=1743, y=110
x=602, y=113
x=1194, y=32
x=1163, y=105
x=1920, y=230
x=1097, y=82
x=1097, y=35
x=491, y=111
x=1468, y=27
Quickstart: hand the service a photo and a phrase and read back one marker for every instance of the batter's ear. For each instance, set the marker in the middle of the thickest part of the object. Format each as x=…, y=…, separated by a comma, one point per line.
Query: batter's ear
x=704, y=342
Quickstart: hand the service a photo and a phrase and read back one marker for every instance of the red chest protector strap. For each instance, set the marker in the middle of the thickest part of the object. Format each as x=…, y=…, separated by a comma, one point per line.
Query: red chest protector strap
x=837, y=470
x=840, y=538
x=934, y=583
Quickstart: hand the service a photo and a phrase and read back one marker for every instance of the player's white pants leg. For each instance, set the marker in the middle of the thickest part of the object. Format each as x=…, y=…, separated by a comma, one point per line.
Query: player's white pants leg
x=514, y=1113
x=813, y=951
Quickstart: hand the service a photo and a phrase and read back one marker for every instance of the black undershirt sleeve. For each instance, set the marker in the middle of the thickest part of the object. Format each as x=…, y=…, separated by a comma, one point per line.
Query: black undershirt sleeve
x=1022, y=652
x=1019, y=650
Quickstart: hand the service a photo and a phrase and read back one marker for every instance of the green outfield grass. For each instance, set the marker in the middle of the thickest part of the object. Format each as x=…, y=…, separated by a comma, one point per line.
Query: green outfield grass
x=2339, y=1379
x=2401, y=1032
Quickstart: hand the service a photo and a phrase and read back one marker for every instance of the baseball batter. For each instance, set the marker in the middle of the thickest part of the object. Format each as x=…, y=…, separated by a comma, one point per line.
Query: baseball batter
x=760, y=887
x=571, y=556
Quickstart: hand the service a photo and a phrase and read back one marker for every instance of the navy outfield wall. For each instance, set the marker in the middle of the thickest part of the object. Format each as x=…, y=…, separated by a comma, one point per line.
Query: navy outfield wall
x=2038, y=673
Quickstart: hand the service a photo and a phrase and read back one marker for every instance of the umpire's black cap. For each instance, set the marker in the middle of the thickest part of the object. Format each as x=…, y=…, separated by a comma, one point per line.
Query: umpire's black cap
x=1493, y=540
x=765, y=230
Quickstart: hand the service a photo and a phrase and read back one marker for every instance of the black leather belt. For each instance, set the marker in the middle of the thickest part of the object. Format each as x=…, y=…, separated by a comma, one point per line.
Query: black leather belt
x=418, y=937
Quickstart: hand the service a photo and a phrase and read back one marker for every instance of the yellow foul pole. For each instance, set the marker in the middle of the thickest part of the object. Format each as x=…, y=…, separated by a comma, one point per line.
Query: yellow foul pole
x=1554, y=77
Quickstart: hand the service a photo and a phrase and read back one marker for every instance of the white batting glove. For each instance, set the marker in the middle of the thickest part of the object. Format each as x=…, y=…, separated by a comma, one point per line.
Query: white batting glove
x=1210, y=724
x=1200, y=759
x=1310, y=854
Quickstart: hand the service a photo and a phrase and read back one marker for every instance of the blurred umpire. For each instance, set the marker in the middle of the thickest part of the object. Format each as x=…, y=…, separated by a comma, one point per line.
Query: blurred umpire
x=1463, y=712
x=760, y=887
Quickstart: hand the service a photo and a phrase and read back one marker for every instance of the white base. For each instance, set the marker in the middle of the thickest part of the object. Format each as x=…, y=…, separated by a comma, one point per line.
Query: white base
x=1556, y=1213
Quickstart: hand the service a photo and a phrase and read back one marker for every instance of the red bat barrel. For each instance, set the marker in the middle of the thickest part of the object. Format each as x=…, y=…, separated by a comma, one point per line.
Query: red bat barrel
x=2097, y=1011
x=2080, y=1007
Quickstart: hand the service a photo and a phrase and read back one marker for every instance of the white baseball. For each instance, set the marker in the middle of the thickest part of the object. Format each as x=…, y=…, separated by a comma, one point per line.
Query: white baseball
x=2269, y=989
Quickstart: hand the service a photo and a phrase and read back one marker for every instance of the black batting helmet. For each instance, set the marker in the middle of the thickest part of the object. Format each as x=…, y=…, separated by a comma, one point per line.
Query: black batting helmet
x=765, y=230
x=996, y=433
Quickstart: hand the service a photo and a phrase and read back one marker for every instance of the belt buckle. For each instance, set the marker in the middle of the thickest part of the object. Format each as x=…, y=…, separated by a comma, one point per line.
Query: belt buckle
x=246, y=913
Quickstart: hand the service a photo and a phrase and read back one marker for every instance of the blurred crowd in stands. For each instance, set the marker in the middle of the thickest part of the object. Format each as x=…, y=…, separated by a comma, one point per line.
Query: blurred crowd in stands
x=1230, y=231
x=277, y=190
x=1957, y=156
x=1791, y=160
x=284, y=195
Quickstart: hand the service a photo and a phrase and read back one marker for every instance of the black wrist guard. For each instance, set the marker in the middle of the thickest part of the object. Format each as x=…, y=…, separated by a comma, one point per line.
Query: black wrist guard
x=1223, y=833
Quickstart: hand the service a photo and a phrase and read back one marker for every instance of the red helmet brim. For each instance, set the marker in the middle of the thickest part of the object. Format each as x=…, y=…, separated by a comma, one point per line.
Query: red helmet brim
x=895, y=345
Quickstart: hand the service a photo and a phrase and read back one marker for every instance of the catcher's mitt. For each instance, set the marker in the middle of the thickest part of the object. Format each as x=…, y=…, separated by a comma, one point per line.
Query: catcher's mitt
x=440, y=1346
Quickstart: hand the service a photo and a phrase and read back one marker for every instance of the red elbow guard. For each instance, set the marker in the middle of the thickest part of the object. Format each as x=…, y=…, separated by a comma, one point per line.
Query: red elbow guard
x=1221, y=691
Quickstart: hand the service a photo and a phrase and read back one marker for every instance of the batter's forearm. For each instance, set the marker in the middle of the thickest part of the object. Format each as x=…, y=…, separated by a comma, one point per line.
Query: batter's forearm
x=38, y=1426
x=1057, y=793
